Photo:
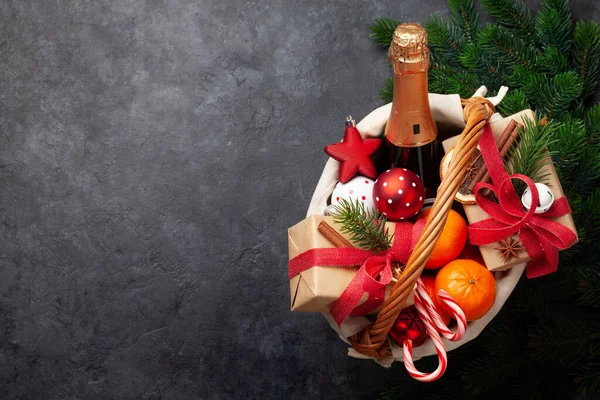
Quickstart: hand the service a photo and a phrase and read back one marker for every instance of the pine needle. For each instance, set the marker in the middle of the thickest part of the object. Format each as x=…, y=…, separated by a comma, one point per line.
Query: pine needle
x=387, y=92
x=553, y=25
x=366, y=228
x=465, y=17
x=586, y=54
x=513, y=15
x=589, y=287
x=531, y=155
x=383, y=30
x=513, y=102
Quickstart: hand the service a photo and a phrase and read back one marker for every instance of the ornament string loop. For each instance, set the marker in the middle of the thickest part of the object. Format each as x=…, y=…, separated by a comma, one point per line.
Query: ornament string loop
x=372, y=277
x=541, y=236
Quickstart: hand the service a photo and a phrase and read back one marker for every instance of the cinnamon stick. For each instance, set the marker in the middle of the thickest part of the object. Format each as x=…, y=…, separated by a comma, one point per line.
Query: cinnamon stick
x=500, y=144
x=332, y=235
x=339, y=241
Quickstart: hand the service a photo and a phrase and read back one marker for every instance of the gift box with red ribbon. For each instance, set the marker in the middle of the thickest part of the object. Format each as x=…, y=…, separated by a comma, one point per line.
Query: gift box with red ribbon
x=540, y=236
x=323, y=276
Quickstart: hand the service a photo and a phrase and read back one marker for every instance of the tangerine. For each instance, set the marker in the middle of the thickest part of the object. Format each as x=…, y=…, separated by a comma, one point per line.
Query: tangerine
x=470, y=284
x=451, y=242
x=429, y=283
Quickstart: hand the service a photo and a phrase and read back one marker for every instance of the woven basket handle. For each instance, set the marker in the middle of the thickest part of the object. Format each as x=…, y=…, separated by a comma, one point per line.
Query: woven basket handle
x=373, y=340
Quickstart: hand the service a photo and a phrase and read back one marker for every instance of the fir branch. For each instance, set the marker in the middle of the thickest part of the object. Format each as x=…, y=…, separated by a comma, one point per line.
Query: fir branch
x=387, y=92
x=383, y=30
x=586, y=54
x=366, y=228
x=552, y=61
x=444, y=38
x=530, y=156
x=553, y=25
x=586, y=177
x=589, y=287
x=586, y=213
x=513, y=102
x=514, y=15
x=490, y=73
x=439, y=62
x=566, y=344
x=557, y=95
x=588, y=378
x=551, y=96
x=485, y=373
x=463, y=83
x=591, y=117
x=507, y=49
x=568, y=147
x=466, y=18
x=591, y=205
x=529, y=81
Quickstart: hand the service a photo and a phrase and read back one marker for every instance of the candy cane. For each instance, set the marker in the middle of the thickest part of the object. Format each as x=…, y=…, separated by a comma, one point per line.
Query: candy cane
x=432, y=320
x=457, y=313
x=437, y=342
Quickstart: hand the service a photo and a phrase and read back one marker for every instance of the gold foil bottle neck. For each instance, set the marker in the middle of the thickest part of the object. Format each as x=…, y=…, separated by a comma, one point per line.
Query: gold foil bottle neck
x=409, y=49
x=410, y=123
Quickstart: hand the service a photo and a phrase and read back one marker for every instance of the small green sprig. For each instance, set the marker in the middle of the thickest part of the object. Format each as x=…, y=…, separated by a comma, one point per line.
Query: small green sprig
x=531, y=155
x=366, y=227
x=382, y=31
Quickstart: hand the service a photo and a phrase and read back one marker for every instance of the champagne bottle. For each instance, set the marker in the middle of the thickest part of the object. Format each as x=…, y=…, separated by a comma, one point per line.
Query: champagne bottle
x=411, y=133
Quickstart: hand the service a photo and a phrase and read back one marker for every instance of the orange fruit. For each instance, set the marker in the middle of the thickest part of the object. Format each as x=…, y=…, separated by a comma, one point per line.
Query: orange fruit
x=429, y=283
x=470, y=284
x=451, y=241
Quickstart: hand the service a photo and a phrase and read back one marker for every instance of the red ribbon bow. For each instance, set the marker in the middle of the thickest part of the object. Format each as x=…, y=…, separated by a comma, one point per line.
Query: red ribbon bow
x=373, y=276
x=541, y=236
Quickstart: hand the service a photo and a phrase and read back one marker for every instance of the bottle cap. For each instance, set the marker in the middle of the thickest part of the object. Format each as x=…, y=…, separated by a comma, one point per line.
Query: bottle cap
x=409, y=49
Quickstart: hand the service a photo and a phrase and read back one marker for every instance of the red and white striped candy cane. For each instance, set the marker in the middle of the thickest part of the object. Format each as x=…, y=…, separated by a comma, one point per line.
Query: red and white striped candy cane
x=432, y=320
x=457, y=312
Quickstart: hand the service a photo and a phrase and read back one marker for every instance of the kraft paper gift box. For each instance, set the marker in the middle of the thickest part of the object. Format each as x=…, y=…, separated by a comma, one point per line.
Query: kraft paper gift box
x=474, y=213
x=315, y=289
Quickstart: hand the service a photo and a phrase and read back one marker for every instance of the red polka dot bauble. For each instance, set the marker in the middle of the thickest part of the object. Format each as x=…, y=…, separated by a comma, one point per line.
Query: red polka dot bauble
x=409, y=325
x=398, y=194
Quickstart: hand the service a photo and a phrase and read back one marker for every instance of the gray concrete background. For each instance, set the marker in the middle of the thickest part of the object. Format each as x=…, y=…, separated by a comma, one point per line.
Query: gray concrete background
x=152, y=155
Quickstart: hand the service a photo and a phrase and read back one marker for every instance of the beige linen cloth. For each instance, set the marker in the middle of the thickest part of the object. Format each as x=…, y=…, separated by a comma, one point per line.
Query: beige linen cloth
x=447, y=111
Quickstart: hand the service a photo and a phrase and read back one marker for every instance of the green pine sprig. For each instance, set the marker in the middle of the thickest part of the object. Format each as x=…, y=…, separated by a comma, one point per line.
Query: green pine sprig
x=552, y=61
x=531, y=155
x=501, y=44
x=466, y=18
x=382, y=31
x=554, y=26
x=513, y=102
x=589, y=287
x=367, y=228
x=514, y=16
x=586, y=54
x=387, y=92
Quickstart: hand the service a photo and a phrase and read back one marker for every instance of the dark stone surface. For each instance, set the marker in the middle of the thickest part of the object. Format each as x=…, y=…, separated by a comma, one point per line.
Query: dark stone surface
x=152, y=155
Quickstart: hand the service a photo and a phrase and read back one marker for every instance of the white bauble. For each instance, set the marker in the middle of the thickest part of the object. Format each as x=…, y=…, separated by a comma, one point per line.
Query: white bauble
x=358, y=188
x=546, y=198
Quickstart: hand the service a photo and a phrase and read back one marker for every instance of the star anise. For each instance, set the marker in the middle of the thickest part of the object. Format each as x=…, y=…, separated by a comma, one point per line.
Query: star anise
x=471, y=172
x=510, y=248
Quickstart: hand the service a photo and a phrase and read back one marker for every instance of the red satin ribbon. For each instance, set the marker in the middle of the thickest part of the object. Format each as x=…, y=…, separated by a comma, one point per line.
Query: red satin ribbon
x=541, y=236
x=372, y=277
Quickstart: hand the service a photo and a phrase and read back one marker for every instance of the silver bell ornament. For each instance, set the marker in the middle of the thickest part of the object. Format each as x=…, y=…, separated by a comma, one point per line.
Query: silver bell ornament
x=546, y=198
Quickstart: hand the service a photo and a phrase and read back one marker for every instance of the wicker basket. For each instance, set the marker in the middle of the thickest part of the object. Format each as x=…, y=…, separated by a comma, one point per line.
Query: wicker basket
x=372, y=341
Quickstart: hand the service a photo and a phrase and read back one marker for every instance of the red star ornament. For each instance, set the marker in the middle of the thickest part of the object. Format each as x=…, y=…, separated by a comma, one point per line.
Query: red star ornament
x=354, y=154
